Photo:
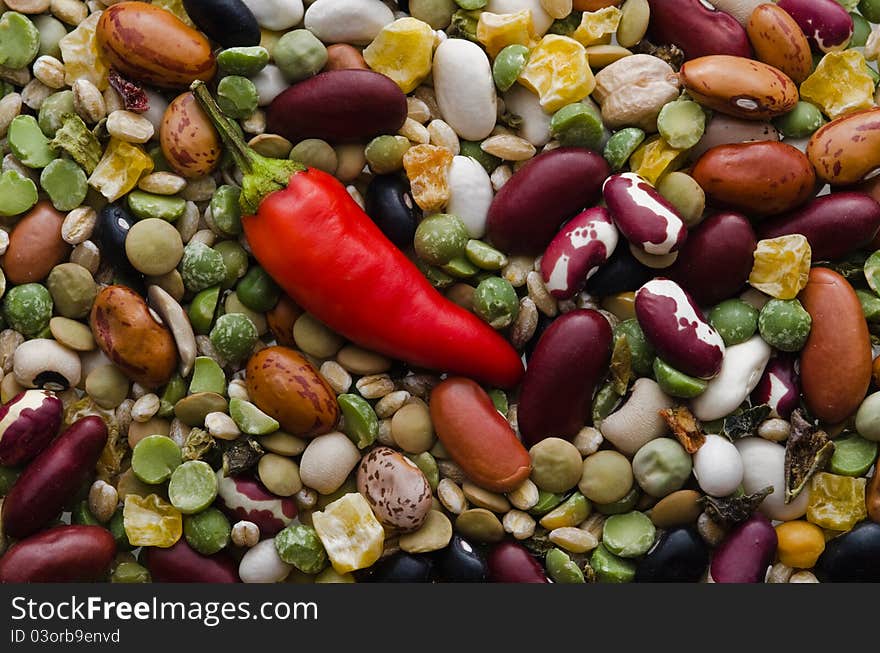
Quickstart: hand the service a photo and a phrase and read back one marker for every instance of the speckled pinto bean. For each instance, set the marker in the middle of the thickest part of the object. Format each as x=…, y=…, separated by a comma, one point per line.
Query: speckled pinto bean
x=477, y=436
x=552, y=187
x=760, y=178
x=243, y=498
x=746, y=552
x=569, y=360
x=826, y=23
x=835, y=363
x=740, y=87
x=577, y=251
x=643, y=216
x=847, y=150
x=779, y=41
x=716, y=260
x=27, y=424
x=673, y=323
x=338, y=105
x=697, y=29
x=779, y=387
x=835, y=224
x=51, y=478
x=180, y=563
x=64, y=554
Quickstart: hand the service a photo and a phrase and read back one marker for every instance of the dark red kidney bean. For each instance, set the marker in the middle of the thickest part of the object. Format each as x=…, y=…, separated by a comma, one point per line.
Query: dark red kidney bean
x=510, y=562
x=180, y=563
x=827, y=25
x=50, y=479
x=834, y=224
x=621, y=273
x=697, y=29
x=717, y=258
x=779, y=387
x=674, y=324
x=390, y=204
x=28, y=422
x=338, y=105
x=577, y=251
x=243, y=498
x=643, y=215
x=64, y=554
x=228, y=22
x=745, y=553
x=549, y=189
x=569, y=360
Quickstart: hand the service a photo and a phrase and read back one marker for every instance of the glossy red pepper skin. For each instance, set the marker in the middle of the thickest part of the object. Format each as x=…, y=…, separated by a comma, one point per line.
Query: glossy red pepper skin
x=330, y=257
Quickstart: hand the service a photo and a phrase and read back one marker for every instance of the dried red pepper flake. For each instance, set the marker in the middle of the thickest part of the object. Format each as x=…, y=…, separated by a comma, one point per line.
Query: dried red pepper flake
x=133, y=96
x=686, y=428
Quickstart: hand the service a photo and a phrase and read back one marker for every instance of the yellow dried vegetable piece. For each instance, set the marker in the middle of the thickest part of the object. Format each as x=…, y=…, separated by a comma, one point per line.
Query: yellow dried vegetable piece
x=403, y=51
x=841, y=84
x=497, y=31
x=427, y=167
x=82, y=56
x=654, y=158
x=836, y=502
x=175, y=7
x=351, y=534
x=597, y=27
x=559, y=72
x=782, y=266
x=151, y=521
x=119, y=170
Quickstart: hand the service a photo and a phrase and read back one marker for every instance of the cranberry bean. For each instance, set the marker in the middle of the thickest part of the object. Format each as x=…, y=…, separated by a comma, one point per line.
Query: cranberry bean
x=761, y=178
x=576, y=252
x=746, y=552
x=510, y=562
x=552, y=187
x=779, y=41
x=673, y=323
x=716, y=260
x=182, y=564
x=834, y=224
x=49, y=481
x=243, y=498
x=826, y=23
x=697, y=29
x=847, y=150
x=338, y=105
x=65, y=554
x=569, y=360
x=644, y=217
x=27, y=424
x=778, y=387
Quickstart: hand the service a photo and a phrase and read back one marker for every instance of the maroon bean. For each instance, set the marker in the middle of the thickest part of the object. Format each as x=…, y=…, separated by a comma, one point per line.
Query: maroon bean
x=549, y=189
x=717, y=258
x=27, y=424
x=570, y=358
x=64, y=554
x=779, y=387
x=577, y=251
x=826, y=23
x=510, y=562
x=834, y=224
x=51, y=478
x=673, y=323
x=241, y=497
x=697, y=29
x=643, y=215
x=338, y=105
x=744, y=555
x=181, y=564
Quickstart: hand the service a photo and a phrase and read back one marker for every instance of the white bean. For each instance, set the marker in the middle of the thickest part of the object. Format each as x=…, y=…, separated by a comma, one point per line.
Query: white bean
x=276, y=14
x=262, y=564
x=327, y=462
x=535, y=126
x=740, y=372
x=347, y=21
x=470, y=194
x=763, y=465
x=464, y=88
x=718, y=466
x=270, y=84
x=540, y=18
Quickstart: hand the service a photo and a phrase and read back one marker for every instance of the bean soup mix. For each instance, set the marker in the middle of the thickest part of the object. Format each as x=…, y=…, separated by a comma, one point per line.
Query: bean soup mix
x=342, y=291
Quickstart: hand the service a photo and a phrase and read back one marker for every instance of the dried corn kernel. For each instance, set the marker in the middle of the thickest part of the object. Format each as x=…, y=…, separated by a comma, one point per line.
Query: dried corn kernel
x=655, y=158
x=427, y=167
x=782, y=266
x=151, y=521
x=597, y=27
x=497, y=31
x=559, y=72
x=403, y=52
x=350, y=533
x=841, y=84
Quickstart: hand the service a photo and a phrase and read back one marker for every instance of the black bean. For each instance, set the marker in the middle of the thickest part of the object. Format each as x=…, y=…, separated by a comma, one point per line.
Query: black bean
x=228, y=22
x=390, y=204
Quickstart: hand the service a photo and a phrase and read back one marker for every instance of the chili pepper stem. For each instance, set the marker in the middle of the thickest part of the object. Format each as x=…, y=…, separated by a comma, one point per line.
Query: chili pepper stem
x=262, y=175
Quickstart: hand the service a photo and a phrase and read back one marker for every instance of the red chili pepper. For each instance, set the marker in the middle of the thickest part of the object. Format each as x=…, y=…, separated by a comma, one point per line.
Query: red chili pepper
x=331, y=258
